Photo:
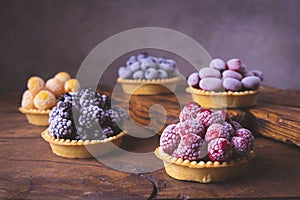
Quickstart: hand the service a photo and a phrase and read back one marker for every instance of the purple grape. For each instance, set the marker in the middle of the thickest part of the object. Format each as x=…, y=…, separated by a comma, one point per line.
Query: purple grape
x=193, y=80
x=232, y=84
x=251, y=82
x=259, y=74
x=232, y=74
x=217, y=64
x=138, y=74
x=209, y=72
x=248, y=73
x=211, y=84
x=235, y=64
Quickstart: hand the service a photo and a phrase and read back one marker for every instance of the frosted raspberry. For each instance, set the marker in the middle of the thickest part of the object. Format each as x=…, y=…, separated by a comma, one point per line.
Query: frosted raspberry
x=236, y=125
x=189, y=111
x=246, y=134
x=215, y=131
x=190, y=126
x=240, y=145
x=190, y=148
x=219, y=149
x=207, y=117
x=169, y=139
x=229, y=128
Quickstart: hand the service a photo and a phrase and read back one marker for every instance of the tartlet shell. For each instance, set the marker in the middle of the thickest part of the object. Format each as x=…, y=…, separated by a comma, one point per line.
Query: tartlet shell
x=203, y=172
x=208, y=99
x=36, y=117
x=149, y=87
x=78, y=148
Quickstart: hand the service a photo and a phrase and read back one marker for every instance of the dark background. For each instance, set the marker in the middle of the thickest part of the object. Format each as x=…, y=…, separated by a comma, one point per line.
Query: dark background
x=43, y=37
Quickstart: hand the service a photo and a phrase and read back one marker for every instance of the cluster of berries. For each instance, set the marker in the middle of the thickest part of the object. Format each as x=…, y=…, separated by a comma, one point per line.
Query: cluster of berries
x=229, y=76
x=144, y=66
x=203, y=134
x=85, y=115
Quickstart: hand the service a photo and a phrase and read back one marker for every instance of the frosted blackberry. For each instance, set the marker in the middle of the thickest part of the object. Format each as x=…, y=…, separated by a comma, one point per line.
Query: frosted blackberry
x=63, y=110
x=90, y=116
x=66, y=97
x=92, y=133
x=109, y=117
x=62, y=128
x=108, y=132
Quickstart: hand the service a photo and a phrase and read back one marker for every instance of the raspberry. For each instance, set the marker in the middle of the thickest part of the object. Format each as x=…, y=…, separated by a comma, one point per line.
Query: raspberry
x=207, y=117
x=246, y=134
x=236, y=125
x=190, y=126
x=169, y=139
x=229, y=128
x=190, y=111
x=215, y=131
x=189, y=148
x=240, y=145
x=219, y=149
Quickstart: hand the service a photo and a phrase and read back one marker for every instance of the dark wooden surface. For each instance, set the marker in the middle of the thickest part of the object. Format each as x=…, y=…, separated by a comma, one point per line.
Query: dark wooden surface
x=29, y=169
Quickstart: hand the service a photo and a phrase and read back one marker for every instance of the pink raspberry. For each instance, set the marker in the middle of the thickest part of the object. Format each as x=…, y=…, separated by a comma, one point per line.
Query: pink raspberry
x=190, y=148
x=189, y=111
x=246, y=134
x=215, y=131
x=207, y=117
x=240, y=145
x=190, y=126
x=169, y=139
x=236, y=125
x=219, y=149
x=228, y=127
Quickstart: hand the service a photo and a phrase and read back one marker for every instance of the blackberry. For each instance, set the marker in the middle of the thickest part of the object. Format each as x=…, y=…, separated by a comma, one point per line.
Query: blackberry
x=66, y=97
x=121, y=112
x=90, y=116
x=63, y=110
x=110, y=117
x=108, y=132
x=88, y=96
x=105, y=101
x=62, y=128
x=92, y=133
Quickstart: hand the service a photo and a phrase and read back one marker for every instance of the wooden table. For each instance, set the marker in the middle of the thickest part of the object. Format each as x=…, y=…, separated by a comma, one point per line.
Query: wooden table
x=29, y=169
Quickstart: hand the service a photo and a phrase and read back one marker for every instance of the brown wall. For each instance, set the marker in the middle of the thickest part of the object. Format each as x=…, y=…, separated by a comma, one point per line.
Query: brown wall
x=42, y=37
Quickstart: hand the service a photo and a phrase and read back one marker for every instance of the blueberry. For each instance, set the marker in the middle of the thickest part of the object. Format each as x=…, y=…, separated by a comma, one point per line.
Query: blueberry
x=209, y=72
x=134, y=67
x=193, y=80
x=161, y=59
x=162, y=74
x=124, y=73
x=151, y=73
x=166, y=66
x=130, y=60
x=145, y=64
x=142, y=55
x=138, y=74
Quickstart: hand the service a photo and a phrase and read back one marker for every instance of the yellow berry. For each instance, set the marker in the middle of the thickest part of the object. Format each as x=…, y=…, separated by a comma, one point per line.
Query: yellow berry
x=62, y=76
x=27, y=100
x=35, y=84
x=44, y=100
x=72, y=85
x=55, y=86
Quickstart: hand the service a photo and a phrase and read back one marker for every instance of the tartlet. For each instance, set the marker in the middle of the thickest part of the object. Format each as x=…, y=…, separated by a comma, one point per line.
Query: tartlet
x=81, y=149
x=36, y=117
x=149, y=87
x=210, y=99
x=204, y=172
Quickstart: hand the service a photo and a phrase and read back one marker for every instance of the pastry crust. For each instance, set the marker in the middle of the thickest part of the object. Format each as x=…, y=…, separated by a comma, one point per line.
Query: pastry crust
x=204, y=172
x=208, y=99
x=36, y=117
x=81, y=149
x=149, y=87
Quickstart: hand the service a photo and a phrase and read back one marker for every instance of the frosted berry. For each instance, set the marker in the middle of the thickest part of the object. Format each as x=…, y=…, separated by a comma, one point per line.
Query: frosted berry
x=190, y=111
x=209, y=72
x=229, y=128
x=251, y=82
x=169, y=139
x=130, y=60
x=215, y=131
x=218, y=64
x=124, y=73
x=259, y=74
x=232, y=84
x=142, y=55
x=220, y=150
x=190, y=148
x=162, y=73
x=134, y=67
x=207, y=117
x=232, y=74
x=211, y=84
x=235, y=64
x=151, y=73
x=247, y=73
x=246, y=134
x=193, y=80
x=166, y=65
x=240, y=145
x=138, y=74
x=190, y=126
x=62, y=128
x=147, y=63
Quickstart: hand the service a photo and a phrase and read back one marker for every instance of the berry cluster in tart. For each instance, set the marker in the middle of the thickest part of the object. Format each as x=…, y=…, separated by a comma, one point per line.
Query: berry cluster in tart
x=205, y=136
